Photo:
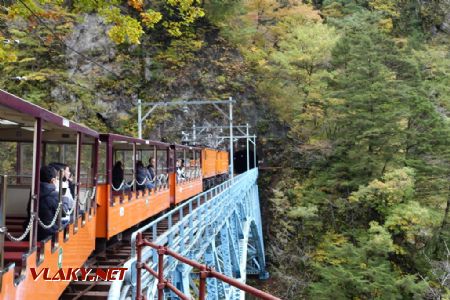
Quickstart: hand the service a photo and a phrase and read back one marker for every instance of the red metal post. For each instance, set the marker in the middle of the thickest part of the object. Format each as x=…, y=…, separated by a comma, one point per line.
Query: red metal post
x=139, y=245
x=203, y=276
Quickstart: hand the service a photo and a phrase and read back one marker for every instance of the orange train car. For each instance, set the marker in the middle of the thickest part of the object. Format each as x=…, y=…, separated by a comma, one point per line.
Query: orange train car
x=222, y=163
x=187, y=180
x=113, y=190
x=124, y=199
x=214, y=166
x=30, y=137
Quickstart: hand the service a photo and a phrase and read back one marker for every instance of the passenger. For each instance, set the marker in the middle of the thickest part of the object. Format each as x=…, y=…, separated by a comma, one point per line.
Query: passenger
x=67, y=176
x=68, y=188
x=143, y=177
x=48, y=201
x=151, y=167
x=117, y=176
x=180, y=169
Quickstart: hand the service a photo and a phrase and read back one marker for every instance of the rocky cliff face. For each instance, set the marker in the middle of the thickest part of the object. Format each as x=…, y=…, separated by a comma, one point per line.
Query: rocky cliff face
x=213, y=70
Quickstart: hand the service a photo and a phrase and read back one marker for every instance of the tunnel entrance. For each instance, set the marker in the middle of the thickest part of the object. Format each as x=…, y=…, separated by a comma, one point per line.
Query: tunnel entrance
x=240, y=161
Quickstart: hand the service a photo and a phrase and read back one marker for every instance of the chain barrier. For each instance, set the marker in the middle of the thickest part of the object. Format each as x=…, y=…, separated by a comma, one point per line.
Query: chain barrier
x=94, y=191
x=85, y=198
x=143, y=181
x=20, y=238
x=119, y=188
x=131, y=183
x=54, y=218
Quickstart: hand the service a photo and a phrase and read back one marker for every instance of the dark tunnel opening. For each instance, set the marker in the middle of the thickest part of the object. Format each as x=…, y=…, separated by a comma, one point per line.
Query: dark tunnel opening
x=240, y=161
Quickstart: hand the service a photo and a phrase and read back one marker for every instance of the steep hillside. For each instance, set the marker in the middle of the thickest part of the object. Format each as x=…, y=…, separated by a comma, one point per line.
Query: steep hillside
x=350, y=101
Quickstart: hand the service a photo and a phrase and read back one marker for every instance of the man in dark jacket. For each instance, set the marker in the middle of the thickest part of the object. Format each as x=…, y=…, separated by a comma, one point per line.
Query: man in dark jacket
x=143, y=179
x=151, y=167
x=48, y=201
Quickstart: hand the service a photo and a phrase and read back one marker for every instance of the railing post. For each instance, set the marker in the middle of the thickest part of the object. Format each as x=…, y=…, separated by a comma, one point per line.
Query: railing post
x=161, y=283
x=202, y=289
x=62, y=207
x=138, y=266
x=4, y=187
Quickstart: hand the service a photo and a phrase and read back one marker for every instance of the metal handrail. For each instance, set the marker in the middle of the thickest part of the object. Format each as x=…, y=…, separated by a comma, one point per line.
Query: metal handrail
x=205, y=272
x=179, y=210
x=187, y=225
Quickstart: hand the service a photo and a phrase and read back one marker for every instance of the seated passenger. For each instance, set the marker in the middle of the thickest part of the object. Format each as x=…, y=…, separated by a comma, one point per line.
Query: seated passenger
x=143, y=177
x=151, y=167
x=180, y=170
x=68, y=188
x=117, y=176
x=48, y=201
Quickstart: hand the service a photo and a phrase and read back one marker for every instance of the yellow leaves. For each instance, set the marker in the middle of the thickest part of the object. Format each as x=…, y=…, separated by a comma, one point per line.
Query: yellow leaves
x=173, y=28
x=386, y=25
x=150, y=18
x=27, y=59
x=389, y=7
x=125, y=30
x=395, y=187
x=6, y=55
x=136, y=4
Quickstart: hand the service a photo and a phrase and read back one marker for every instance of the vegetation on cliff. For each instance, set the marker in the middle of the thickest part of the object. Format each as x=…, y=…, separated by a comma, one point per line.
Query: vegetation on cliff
x=354, y=99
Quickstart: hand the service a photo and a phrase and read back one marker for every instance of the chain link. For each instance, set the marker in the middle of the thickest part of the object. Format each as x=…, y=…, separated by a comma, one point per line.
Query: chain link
x=143, y=181
x=20, y=238
x=85, y=198
x=131, y=184
x=119, y=188
x=54, y=218
x=70, y=211
x=94, y=191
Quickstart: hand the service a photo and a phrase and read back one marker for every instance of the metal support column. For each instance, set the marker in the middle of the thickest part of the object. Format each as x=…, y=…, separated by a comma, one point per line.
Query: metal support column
x=231, y=139
x=194, y=133
x=254, y=152
x=248, y=150
x=211, y=283
x=140, y=118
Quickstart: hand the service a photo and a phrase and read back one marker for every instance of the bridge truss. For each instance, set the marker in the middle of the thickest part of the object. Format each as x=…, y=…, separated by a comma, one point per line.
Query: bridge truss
x=220, y=228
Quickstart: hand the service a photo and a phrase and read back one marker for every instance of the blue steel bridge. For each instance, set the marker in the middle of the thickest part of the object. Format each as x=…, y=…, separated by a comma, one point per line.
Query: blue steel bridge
x=220, y=228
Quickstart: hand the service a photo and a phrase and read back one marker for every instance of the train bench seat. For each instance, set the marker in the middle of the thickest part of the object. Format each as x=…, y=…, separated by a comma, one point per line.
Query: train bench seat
x=17, y=200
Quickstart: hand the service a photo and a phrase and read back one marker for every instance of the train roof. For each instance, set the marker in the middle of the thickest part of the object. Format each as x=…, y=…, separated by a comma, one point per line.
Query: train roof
x=123, y=138
x=185, y=147
x=14, y=109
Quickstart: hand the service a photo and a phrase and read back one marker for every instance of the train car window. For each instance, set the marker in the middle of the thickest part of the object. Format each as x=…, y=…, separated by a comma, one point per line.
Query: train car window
x=25, y=163
x=146, y=153
x=161, y=161
x=16, y=162
x=102, y=176
x=53, y=153
x=86, y=174
x=124, y=152
x=8, y=160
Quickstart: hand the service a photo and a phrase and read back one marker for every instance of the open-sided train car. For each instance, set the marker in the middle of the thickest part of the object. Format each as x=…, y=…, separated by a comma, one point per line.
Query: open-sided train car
x=214, y=166
x=188, y=182
x=124, y=201
x=30, y=137
x=109, y=199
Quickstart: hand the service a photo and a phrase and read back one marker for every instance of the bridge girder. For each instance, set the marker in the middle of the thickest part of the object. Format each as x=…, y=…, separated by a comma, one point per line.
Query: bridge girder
x=225, y=233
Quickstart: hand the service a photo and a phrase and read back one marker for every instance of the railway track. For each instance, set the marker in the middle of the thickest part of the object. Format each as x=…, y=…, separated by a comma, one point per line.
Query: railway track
x=115, y=255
